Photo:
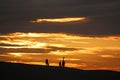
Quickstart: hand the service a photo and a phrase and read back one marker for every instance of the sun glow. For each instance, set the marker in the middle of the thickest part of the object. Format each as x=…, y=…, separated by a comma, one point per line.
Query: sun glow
x=16, y=54
x=37, y=45
x=60, y=20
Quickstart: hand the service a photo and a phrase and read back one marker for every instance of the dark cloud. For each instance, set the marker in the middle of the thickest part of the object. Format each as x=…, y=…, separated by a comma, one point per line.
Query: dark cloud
x=2, y=44
x=61, y=48
x=22, y=50
x=35, y=50
x=103, y=16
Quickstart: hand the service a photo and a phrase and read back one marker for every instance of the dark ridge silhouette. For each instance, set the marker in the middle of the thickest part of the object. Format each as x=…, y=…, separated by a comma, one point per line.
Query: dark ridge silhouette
x=17, y=71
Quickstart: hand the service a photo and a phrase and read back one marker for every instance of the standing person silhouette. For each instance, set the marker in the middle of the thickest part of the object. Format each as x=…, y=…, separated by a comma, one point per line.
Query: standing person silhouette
x=60, y=64
x=47, y=63
x=63, y=63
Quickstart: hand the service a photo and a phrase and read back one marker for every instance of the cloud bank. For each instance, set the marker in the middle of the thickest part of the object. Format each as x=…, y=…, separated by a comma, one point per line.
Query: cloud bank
x=102, y=16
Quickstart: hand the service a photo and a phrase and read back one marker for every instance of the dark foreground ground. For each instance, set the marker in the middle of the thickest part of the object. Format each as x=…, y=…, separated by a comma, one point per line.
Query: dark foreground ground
x=13, y=71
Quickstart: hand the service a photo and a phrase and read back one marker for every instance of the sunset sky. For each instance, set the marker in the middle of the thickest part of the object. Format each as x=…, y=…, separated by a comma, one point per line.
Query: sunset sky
x=86, y=33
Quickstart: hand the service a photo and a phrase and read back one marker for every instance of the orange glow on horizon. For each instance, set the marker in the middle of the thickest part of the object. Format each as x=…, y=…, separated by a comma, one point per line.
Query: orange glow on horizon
x=84, y=52
x=60, y=20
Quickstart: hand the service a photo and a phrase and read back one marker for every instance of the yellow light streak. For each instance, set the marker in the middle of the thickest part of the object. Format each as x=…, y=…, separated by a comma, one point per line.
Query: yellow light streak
x=108, y=56
x=16, y=54
x=59, y=20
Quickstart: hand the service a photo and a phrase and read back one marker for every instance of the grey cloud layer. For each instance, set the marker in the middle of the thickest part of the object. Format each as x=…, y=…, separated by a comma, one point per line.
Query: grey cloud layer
x=103, y=16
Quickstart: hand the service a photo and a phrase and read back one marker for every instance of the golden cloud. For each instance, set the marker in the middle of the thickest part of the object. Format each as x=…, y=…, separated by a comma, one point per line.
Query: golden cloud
x=59, y=20
x=108, y=56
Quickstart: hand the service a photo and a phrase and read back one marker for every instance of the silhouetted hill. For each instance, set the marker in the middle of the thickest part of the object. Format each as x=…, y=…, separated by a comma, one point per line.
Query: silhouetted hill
x=17, y=71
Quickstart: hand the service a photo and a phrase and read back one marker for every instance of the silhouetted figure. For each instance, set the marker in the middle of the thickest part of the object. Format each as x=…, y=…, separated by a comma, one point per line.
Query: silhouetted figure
x=63, y=63
x=47, y=63
x=60, y=64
